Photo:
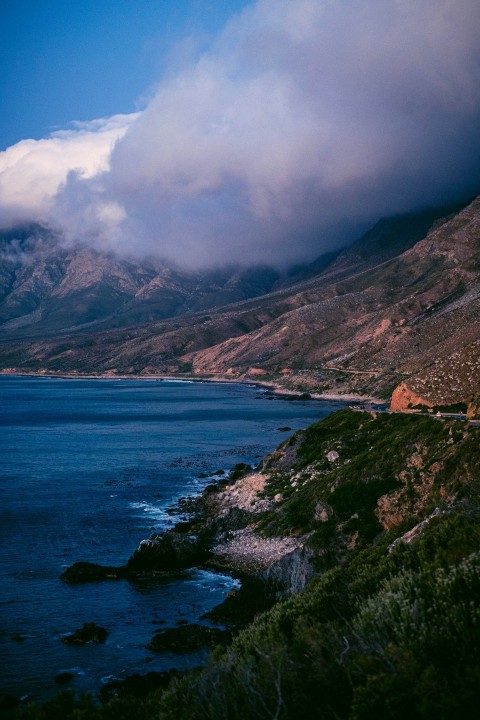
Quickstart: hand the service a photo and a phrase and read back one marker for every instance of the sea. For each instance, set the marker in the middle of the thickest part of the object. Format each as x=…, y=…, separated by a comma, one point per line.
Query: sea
x=89, y=468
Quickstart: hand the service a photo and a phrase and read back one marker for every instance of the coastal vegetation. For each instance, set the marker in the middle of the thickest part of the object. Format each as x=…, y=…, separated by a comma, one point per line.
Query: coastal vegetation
x=387, y=506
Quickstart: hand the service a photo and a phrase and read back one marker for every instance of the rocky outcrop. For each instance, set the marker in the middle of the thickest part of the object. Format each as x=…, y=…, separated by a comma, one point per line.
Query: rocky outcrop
x=91, y=572
x=166, y=552
x=473, y=409
x=292, y=573
x=169, y=551
x=88, y=633
x=403, y=398
x=416, y=531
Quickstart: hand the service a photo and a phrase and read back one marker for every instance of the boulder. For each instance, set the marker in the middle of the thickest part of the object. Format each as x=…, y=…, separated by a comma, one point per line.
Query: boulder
x=323, y=511
x=90, y=572
x=169, y=551
x=242, y=605
x=88, y=633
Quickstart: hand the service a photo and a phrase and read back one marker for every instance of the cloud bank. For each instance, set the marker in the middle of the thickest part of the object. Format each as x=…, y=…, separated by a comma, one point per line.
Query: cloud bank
x=303, y=122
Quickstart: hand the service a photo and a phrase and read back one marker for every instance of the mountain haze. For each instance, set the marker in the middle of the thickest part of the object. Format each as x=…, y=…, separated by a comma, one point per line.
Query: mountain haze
x=46, y=289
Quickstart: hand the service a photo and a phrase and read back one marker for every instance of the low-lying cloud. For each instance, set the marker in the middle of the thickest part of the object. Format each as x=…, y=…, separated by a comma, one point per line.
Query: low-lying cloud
x=305, y=121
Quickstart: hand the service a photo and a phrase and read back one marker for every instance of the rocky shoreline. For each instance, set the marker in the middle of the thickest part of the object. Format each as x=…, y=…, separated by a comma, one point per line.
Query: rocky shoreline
x=221, y=533
x=216, y=530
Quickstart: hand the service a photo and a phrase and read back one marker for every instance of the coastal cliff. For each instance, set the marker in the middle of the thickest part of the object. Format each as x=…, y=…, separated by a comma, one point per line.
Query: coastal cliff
x=404, y=398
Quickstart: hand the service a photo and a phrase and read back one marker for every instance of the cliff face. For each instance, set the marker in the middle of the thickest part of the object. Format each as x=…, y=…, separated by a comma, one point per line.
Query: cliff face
x=473, y=409
x=403, y=398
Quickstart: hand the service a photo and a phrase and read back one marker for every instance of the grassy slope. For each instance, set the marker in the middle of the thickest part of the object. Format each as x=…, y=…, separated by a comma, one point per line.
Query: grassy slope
x=382, y=632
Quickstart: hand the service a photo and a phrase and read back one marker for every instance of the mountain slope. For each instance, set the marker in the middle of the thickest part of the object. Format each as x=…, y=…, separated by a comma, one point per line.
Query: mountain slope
x=376, y=327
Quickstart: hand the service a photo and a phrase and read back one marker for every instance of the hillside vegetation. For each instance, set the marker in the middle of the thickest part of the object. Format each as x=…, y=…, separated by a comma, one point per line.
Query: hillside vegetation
x=389, y=508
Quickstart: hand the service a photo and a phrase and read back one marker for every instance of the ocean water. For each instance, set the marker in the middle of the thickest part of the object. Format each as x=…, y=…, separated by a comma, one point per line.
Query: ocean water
x=88, y=468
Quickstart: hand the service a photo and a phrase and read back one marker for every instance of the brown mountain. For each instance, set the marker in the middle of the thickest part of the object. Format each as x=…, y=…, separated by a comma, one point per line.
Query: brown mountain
x=47, y=289
x=390, y=309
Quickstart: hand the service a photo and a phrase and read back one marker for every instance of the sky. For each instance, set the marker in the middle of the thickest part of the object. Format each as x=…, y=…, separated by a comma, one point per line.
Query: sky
x=248, y=131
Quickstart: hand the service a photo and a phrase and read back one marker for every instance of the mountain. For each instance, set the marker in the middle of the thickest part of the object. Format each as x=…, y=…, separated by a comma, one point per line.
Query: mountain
x=47, y=289
x=383, y=312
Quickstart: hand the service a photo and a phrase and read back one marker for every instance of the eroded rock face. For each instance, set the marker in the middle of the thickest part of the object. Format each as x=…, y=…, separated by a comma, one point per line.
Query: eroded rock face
x=323, y=511
x=404, y=398
x=292, y=573
x=473, y=409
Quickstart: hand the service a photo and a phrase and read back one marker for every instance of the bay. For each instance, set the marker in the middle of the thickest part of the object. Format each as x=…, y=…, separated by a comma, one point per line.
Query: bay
x=88, y=468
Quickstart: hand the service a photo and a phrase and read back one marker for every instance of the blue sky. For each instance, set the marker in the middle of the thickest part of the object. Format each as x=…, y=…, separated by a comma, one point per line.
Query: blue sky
x=210, y=131
x=64, y=60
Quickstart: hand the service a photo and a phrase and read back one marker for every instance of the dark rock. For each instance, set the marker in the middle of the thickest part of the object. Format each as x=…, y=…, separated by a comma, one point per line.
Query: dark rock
x=211, y=488
x=172, y=550
x=239, y=470
x=86, y=634
x=169, y=551
x=242, y=605
x=138, y=686
x=90, y=572
x=291, y=574
x=187, y=638
x=183, y=526
x=284, y=429
x=217, y=472
x=258, y=593
x=302, y=396
x=235, y=519
x=64, y=677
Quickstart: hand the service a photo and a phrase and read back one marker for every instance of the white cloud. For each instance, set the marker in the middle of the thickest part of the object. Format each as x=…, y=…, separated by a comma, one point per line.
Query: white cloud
x=33, y=171
x=305, y=120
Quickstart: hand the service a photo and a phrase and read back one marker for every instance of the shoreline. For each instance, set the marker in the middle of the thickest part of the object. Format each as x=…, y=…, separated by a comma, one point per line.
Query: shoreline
x=271, y=385
x=235, y=561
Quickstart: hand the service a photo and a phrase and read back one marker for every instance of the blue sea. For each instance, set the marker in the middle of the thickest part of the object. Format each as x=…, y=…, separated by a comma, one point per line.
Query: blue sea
x=88, y=468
